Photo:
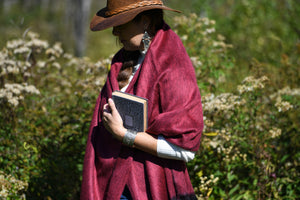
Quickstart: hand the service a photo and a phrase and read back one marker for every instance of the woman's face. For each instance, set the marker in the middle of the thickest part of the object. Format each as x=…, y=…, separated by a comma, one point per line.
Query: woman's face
x=130, y=35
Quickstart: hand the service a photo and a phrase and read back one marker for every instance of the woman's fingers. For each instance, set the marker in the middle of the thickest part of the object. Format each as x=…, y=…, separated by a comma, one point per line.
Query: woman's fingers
x=106, y=108
x=112, y=106
x=112, y=120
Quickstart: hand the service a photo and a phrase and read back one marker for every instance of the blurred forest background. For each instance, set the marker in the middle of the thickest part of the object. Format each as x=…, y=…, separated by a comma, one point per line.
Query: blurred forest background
x=246, y=56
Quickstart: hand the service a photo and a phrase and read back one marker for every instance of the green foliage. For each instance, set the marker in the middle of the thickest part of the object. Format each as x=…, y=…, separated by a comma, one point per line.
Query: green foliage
x=44, y=129
x=250, y=143
x=260, y=29
x=55, y=22
x=249, y=147
x=207, y=49
x=11, y=188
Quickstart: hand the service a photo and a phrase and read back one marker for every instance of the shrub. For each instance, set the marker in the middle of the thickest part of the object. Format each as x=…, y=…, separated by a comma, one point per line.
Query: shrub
x=11, y=188
x=249, y=145
x=47, y=99
x=249, y=148
x=208, y=51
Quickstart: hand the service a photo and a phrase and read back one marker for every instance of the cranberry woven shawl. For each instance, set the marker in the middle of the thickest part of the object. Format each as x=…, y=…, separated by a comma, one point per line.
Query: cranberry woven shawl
x=167, y=79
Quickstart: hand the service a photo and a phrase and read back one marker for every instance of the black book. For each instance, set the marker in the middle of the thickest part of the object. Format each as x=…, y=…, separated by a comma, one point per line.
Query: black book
x=133, y=110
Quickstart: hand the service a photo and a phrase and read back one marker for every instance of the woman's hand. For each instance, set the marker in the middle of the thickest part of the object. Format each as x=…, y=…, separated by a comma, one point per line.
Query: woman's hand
x=113, y=121
x=114, y=124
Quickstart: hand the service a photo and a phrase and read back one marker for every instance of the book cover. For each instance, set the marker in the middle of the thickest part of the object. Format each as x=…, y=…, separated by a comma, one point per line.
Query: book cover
x=133, y=110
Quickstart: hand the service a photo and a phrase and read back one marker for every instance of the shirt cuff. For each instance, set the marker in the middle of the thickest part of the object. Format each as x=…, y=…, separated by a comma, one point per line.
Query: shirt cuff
x=168, y=150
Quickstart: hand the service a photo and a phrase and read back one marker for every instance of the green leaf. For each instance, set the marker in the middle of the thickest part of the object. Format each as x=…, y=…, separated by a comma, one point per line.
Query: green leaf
x=284, y=158
x=234, y=189
x=230, y=177
x=255, y=182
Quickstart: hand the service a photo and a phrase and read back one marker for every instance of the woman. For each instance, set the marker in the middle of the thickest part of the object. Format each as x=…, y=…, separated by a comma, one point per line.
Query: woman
x=120, y=163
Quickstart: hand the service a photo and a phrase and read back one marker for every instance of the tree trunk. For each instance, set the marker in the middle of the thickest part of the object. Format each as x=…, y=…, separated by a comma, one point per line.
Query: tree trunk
x=81, y=19
x=44, y=4
x=7, y=4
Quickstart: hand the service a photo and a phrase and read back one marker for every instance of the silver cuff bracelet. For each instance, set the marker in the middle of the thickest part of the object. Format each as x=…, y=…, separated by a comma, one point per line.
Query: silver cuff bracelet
x=129, y=137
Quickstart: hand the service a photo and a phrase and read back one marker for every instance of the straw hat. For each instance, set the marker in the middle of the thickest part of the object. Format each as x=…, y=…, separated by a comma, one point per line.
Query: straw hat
x=118, y=12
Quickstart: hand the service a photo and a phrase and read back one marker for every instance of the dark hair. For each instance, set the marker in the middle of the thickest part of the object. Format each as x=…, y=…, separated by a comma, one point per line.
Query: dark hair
x=131, y=57
x=156, y=17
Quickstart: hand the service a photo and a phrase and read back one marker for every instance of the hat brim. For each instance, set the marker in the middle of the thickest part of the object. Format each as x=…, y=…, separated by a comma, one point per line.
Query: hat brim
x=100, y=21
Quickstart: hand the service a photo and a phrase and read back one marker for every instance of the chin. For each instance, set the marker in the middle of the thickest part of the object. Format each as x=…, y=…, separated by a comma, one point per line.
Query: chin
x=131, y=48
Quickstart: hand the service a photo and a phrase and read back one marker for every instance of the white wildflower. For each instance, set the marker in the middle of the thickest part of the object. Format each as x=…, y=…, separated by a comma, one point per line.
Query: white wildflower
x=250, y=84
x=22, y=50
x=98, y=64
x=57, y=47
x=196, y=61
x=13, y=101
x=215, y=180
x=31, y=89
x=283, y=106
x=27, y=74
x=33, y=35
x=209, y=123
x=286, y=91
x=16, y=91
x=9, y=62
x=275, y=132
x=210, y=30
x=56, y=50
x=41, y=64
x=184, y=37
x=4, y=192
x=205, y=21
x=11, y=186
x=66, y=83
x=37, y=43
x=56, y=65
x=223, y=102
x=14, y=43
x=214, y=144
x=68, y=56
x=98, y=82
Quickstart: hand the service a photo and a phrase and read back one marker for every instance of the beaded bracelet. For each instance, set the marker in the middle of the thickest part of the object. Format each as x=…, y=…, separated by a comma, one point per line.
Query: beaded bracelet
x=129, y=137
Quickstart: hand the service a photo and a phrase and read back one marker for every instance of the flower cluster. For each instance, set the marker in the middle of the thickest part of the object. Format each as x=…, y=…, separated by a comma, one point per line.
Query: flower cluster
x=288, y=91
x=221, y=103
x=251, y=84
x=10, y=186
x=24, y=61
x=30, y=66
x=17, y=58
x=282, y=105
x=13, y=93
x=206, y=186
x=196, y=22
x=275, y=132
x=21, y=46
x=95, y=72
x=231, y=153
x=55, y=52
x=10, y=65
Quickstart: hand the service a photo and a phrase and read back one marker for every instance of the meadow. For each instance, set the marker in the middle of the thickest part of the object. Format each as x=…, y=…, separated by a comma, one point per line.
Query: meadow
x=247, y=60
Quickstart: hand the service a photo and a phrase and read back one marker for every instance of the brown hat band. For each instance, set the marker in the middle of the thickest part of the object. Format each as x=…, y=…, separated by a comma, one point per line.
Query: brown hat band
x=132, y=6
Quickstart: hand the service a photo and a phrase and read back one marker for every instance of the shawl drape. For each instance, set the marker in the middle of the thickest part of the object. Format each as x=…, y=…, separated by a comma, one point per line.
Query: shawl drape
x=167, y=79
